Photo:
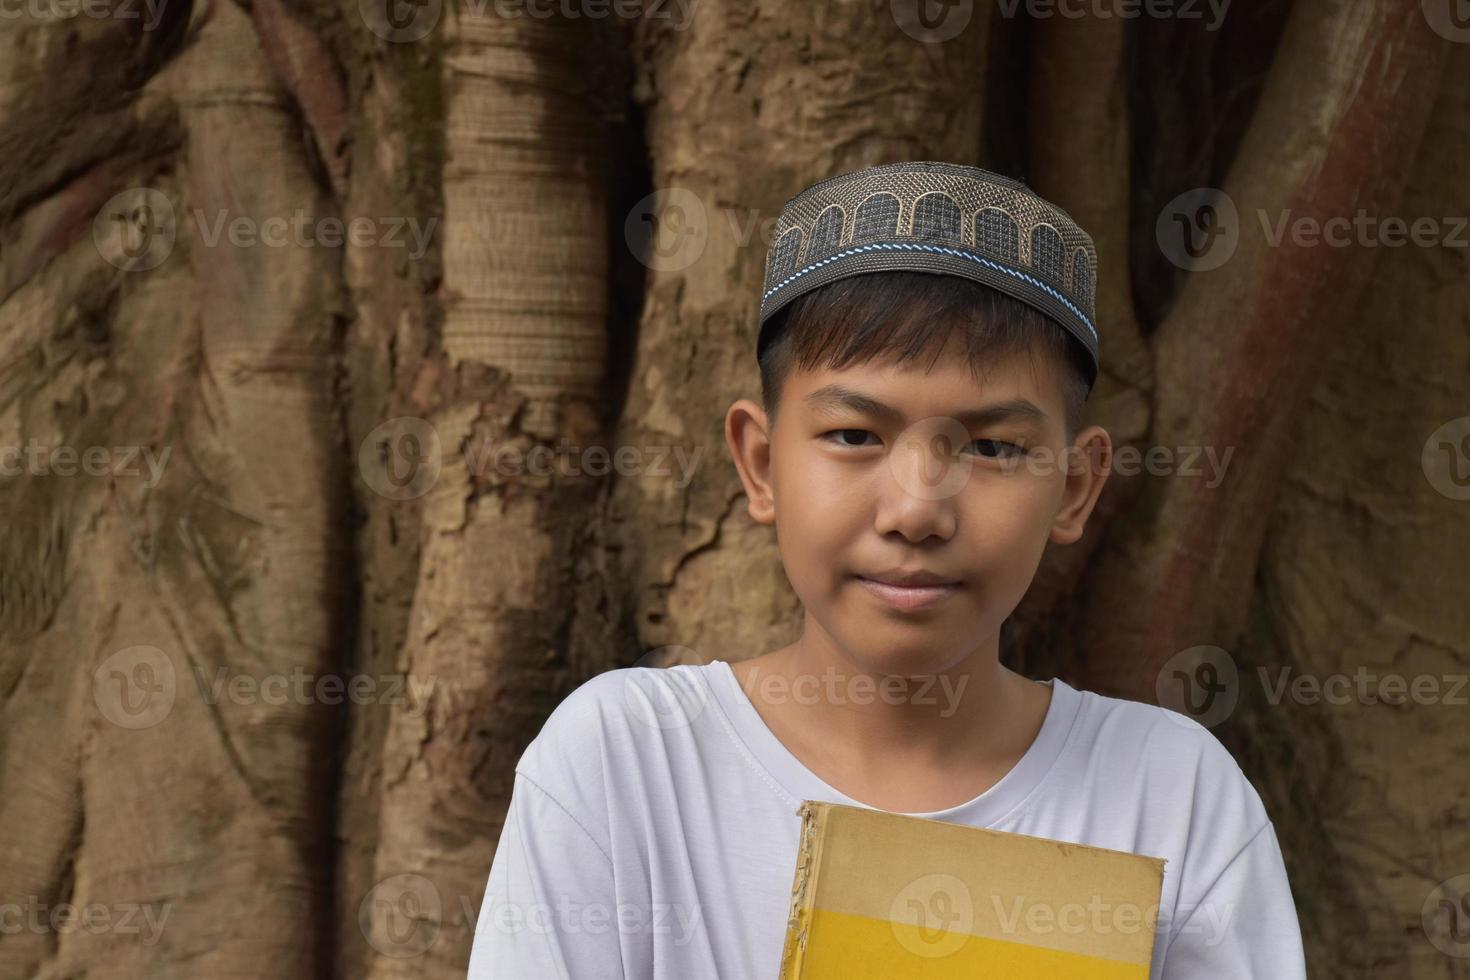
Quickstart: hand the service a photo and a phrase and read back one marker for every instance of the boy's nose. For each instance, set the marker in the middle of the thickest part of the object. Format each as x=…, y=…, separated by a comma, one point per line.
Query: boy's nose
x=918, y=493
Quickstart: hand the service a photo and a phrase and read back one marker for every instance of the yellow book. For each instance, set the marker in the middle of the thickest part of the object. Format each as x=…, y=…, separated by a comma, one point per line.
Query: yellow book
x=884, y=895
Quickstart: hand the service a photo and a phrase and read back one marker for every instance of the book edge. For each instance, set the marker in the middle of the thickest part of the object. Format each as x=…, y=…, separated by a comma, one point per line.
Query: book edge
x=803, y=888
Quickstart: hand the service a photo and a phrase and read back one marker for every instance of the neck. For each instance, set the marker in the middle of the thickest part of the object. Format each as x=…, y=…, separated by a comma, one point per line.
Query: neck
x=976, y=712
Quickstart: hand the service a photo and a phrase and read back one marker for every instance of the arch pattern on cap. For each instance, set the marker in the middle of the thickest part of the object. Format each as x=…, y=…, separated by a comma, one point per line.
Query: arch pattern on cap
x=877, y=217
x=826, y=233
x=936, y=216
x=996, y=233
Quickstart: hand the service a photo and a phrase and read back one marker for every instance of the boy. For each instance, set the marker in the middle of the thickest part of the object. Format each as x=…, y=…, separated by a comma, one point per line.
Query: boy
x=653, y=828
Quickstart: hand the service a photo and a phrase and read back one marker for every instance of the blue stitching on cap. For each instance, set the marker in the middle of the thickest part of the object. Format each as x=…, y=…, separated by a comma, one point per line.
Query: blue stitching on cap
x=914, y=246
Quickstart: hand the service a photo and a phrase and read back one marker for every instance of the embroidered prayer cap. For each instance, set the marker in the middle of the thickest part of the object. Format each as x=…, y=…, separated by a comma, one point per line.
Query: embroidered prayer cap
x=944, y=218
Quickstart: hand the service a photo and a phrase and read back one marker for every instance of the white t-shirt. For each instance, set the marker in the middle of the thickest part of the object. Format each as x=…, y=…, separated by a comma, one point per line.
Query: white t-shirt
x=652, y=833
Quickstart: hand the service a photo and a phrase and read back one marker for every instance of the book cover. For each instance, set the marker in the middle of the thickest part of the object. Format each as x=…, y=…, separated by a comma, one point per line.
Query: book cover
x=879, y=894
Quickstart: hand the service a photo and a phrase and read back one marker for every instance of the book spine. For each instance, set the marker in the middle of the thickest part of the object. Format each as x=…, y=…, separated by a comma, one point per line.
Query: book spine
x=803, y=890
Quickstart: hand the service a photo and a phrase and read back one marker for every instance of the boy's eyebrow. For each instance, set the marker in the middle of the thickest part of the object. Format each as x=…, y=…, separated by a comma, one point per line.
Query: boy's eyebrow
x=841, y=396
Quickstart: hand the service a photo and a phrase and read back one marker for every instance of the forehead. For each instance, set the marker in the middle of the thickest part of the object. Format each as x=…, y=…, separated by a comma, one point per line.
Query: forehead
x=944, y=384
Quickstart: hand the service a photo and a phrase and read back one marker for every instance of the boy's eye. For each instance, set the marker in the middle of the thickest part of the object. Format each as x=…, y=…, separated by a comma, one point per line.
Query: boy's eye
x=989, y=448
x=836, y=436
x=998, y=449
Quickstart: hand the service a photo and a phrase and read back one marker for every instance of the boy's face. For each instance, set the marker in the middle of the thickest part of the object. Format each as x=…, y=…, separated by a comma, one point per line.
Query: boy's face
x=878, y=471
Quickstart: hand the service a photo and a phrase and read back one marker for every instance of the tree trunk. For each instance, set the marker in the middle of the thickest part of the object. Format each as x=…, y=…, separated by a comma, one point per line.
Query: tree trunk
x=345, y=486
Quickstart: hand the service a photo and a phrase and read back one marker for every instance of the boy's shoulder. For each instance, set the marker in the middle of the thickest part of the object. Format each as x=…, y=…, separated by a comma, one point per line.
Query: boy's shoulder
x=1175, y=758
x=620, y=710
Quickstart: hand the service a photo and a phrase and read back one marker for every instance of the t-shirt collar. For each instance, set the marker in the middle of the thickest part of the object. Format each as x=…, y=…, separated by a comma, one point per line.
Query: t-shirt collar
x=800, y=783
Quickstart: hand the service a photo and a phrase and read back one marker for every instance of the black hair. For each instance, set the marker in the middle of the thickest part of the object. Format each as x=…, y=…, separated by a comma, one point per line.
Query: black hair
x=901, y=314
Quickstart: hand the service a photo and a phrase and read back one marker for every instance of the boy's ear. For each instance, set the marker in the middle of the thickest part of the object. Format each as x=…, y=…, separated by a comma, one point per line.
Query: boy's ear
x=748, y=436
x=1089, y=461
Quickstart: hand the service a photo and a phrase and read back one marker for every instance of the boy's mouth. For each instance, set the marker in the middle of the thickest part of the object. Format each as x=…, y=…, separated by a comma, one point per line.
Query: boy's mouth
x=910, y=590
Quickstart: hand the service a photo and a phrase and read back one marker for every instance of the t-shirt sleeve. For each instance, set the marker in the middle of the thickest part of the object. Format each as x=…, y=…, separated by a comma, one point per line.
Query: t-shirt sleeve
x=549, y=911
x=1244, y=927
